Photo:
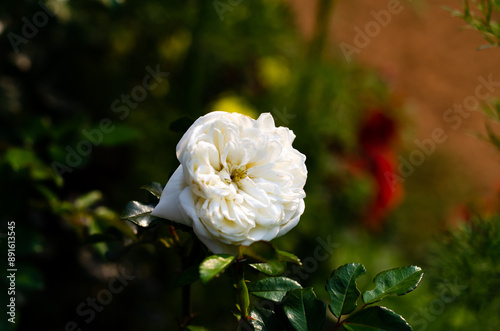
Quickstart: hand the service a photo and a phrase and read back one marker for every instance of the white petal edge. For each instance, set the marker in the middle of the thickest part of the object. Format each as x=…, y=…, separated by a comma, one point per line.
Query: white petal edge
x=214, y=245
x=170, y=206
x=294, y=220
x=181, y=145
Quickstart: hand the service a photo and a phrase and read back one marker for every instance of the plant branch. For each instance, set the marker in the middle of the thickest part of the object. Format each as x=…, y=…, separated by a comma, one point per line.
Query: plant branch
x=242, y=289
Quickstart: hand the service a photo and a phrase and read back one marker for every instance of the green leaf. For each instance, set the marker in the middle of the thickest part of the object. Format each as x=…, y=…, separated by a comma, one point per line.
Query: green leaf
x=288, y=257
x=260, y=251
x=188, y=276
x=304, y=311
x=214, y=265
x=88, y=199
x=376, y=318
x=19, y=157
x=154, y=188
x=264, y=320
x=270, y=269
x=342, y=288
x=273, y=288
x=110, y=218
x=397, y=281
x=264, y=252
x=138, y=213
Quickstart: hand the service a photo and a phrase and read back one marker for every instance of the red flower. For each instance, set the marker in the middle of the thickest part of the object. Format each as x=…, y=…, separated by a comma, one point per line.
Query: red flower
x=376, y=138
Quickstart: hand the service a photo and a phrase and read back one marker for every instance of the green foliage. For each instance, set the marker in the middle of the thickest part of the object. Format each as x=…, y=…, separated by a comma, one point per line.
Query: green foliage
x=214, y=265
x=376, y=318
x=300, y=308
x=481, y=15
x=270, y=269
x=492, y=110
x=288, y=257
x=343, y=290
x=188, y=276
x=260, y=251
x=273, y=288
x=264, y=320
x=465, y=260
x=56, y=91
x=154, y=188
x=138, y=213
x=394, y=282
x=344, y=294
x=304, y=310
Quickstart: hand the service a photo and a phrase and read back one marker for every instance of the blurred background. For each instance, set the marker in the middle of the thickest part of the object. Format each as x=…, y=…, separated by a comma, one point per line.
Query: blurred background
x=94, y=96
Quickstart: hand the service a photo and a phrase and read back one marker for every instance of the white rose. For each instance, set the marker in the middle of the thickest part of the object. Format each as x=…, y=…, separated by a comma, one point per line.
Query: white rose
x=240, y=181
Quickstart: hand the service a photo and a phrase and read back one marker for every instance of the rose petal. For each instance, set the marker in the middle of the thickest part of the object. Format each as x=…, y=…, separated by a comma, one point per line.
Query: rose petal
x=243, y=180
x=266, y=122
x=294, y=220
x=214, y=245
x=200, y=121
x=169, y=206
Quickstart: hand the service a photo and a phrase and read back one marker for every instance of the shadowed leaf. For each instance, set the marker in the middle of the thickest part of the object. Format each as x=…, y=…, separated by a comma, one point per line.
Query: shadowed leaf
x=264, y=320
x=304, y=311
x=138, y=213
x=153, y=188
x=273, y=288
x=376, y=318
x=260, y=251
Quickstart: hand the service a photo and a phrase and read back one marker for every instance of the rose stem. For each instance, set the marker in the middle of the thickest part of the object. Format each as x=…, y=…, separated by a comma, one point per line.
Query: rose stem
x=241, y=287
